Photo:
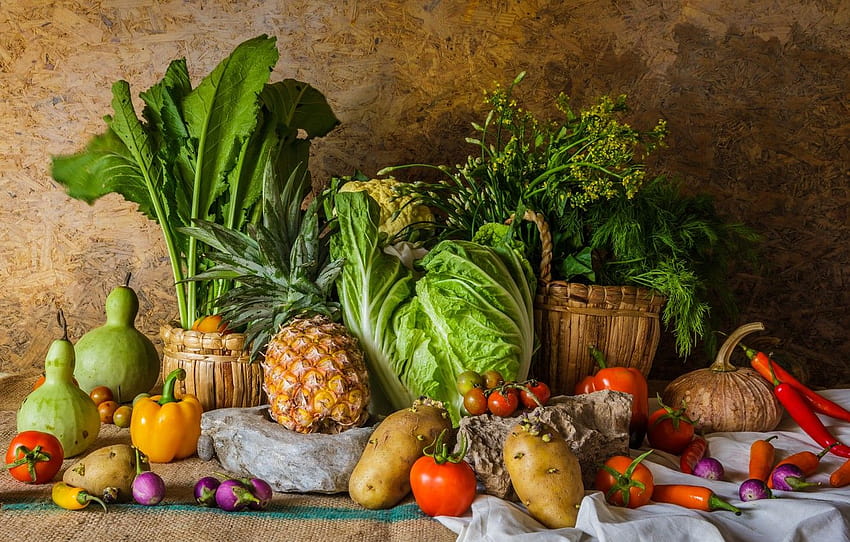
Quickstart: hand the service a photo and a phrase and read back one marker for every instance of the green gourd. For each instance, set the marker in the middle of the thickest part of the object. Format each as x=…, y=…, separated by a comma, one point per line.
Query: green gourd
x=59, y=406
x=117, y=355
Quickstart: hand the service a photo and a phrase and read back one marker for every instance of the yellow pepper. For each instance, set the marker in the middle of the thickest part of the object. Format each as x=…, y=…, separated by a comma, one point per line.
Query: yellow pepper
x=165, y=428
x=73, y=498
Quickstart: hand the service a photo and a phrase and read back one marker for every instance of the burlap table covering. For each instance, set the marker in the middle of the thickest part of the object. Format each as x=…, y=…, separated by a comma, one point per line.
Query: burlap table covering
x=29, y=514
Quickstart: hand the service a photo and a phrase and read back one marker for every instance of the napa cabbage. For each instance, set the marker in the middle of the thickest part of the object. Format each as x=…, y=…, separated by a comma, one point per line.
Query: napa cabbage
x=466, y=305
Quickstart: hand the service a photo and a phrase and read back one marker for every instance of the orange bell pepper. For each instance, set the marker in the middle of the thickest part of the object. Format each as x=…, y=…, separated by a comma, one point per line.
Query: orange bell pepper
x=165, y=428
x=624, y=379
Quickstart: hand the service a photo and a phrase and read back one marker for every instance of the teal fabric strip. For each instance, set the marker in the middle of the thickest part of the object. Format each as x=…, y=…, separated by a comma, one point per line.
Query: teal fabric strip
x=404, y=512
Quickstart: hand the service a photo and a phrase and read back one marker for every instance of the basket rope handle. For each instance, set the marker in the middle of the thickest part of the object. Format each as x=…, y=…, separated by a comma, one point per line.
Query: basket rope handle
x=545, y=239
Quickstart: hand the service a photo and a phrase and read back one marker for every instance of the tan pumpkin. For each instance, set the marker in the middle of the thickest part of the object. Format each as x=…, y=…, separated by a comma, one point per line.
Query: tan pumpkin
x=723, y=397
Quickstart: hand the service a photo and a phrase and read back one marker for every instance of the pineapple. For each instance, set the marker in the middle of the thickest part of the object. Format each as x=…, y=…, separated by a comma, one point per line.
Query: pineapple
x=314, y=372
x=315, y=377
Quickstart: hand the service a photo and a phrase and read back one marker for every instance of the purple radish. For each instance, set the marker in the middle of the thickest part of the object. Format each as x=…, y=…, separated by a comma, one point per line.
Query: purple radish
x=789, y=477
x=261, y=490
x=754, y=490
x=709, y=468
x=232, y=496
x=148, y=488
x=205, y=490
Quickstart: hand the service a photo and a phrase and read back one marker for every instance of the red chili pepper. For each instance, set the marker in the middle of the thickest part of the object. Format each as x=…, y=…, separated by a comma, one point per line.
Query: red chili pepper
x=692, y=454
x=802, y=413
x=766, y=366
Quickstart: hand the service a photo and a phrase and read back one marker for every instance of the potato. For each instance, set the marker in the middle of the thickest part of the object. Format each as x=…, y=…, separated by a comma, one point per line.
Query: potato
x=544, y=472
x=381, y=477
x=107, y=473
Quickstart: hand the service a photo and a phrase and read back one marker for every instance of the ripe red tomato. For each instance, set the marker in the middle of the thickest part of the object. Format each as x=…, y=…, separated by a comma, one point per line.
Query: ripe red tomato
x=442, y=489
x=625, y=482
x=503, y=402
x=539, y=389
x=475, y=401
x=669, y=430
x=34, y=457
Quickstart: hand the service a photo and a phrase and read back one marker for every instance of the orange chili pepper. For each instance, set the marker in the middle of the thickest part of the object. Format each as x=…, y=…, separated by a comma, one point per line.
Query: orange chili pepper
x=694, y=497
x=762, y=455
x=841, y=476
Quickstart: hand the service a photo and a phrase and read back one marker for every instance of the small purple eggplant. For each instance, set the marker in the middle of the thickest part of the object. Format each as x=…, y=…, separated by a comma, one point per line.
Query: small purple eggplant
x=709, y=468
x=233, y=496
x=789, y=477
x=205, y=490
x=754, y=490
x=148, y=488
x=261, y=490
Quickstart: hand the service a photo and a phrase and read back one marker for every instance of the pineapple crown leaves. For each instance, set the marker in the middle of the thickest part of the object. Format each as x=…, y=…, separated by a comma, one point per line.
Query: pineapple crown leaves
x=281, y=267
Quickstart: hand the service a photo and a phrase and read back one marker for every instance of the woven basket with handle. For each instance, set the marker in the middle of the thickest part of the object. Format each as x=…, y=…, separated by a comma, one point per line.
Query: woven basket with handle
x=622, y=321
x=218, y=367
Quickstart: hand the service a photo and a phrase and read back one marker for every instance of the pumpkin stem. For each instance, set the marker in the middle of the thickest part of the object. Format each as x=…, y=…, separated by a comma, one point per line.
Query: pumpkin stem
x=721, y=362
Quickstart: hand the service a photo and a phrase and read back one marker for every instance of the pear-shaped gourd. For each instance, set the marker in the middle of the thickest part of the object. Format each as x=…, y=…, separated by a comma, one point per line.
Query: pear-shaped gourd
x=116, y=354
x=59, y=406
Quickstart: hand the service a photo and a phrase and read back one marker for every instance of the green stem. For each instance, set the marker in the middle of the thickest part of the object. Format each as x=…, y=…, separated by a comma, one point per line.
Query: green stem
x=31, y=458
x=716, y=503
x=390, y=169
x=597, y=356
x=168, y=386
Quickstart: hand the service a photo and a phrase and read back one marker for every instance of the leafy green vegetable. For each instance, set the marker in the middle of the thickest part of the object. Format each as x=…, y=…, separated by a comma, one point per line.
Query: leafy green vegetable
x=199, y=154
x=470, y=307
x=611, y=223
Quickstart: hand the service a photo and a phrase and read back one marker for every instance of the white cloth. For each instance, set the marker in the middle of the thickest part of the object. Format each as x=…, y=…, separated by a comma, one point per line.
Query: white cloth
x=817, y=515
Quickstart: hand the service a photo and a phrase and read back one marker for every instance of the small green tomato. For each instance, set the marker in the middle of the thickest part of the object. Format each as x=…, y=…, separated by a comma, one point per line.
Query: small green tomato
x=468, y=380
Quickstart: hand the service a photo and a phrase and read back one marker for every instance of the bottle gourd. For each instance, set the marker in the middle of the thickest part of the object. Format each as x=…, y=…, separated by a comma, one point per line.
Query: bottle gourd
x=116, y=354
x=59, y=406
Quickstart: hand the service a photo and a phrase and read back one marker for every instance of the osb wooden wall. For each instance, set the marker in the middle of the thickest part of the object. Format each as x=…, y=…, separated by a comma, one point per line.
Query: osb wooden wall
x=756, y=97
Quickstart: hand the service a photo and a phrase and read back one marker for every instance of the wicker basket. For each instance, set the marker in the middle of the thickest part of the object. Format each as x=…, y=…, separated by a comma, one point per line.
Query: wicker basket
x=622, y=321
x=218, y=367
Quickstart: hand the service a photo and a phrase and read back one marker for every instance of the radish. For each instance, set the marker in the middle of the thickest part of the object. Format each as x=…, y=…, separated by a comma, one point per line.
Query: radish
x=754, y=490
x=709, y=468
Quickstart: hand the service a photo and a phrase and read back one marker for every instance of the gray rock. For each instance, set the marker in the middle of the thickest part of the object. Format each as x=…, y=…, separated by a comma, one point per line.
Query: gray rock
x=596, y=426
x=248, y=443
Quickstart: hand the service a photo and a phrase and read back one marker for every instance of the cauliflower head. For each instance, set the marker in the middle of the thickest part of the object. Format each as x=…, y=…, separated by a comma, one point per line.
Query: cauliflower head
x=383, y=191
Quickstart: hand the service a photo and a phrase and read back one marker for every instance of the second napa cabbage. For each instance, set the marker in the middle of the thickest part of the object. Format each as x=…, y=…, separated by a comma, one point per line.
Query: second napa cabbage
x=467, y=305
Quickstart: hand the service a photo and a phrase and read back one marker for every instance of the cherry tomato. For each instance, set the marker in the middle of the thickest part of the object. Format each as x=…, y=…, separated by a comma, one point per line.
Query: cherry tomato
x=539, y=390
x=468, y=380
x=443, y=484
x=475, y=401
x=122, y=415
x=503, y=402
x=669, y=430
x=107, y=410
x=625, y=482
x=34, y=457
x=492, y=379
x=101, y=394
